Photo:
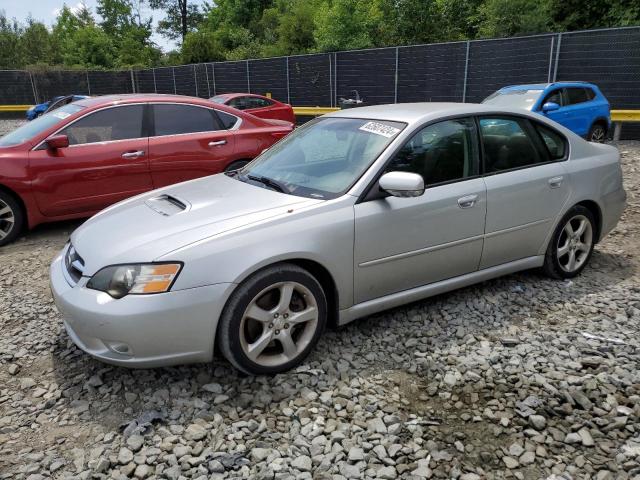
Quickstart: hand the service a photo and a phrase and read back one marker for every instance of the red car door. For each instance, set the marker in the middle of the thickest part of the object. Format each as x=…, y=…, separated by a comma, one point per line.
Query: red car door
x=187, y=142
x=106, y=161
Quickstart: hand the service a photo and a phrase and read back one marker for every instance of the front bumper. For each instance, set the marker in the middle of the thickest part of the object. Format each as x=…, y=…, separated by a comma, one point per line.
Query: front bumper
x=143, y=331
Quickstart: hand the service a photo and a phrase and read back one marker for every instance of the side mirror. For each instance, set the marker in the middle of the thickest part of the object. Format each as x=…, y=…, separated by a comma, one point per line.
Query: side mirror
x=550, y=107
x=57, y=141
x=402, y=184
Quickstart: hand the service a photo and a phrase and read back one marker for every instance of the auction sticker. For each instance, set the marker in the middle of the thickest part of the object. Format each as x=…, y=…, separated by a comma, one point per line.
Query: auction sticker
x=379, y=129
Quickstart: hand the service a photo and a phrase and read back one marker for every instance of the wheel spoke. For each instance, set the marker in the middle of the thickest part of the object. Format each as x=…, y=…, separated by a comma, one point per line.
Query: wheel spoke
x=309, y=313
x=2, y=234
x=288, y=345
x=571, y=265
x=286, y=292
x=260, y=314
x=257, y=347
x=568, y=229
x=4, y=210
x=583, y=247
x=581, y=227
x=562, y=251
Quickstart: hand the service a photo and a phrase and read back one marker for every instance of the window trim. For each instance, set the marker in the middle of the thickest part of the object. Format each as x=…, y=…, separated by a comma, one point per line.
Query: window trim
x=42, y=144
x=566, y=89
x=370, y=193
x=535, y=138
x=152, y=127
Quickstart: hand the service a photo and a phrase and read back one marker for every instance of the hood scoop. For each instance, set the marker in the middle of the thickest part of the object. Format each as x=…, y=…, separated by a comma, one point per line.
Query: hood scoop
x=167, y=205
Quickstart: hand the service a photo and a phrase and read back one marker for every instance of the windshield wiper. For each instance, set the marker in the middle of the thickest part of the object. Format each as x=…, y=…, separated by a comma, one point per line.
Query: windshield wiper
x=269, y=182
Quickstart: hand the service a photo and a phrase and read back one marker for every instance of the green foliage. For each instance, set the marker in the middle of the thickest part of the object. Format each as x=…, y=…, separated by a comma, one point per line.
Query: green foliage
x=181, y=17
x=506, y=18
x=200, y=47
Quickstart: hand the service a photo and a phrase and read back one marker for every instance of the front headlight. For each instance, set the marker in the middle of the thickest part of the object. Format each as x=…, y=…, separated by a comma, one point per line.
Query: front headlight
x=137, y=279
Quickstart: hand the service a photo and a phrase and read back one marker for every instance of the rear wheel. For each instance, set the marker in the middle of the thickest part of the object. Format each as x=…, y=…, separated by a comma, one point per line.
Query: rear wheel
x=11, y=218
x=237, y=165
x=273, y=320
x=597, y=133
x=572, y=244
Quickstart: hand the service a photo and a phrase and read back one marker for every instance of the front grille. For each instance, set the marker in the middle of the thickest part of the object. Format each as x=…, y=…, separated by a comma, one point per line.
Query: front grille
x=74, y=264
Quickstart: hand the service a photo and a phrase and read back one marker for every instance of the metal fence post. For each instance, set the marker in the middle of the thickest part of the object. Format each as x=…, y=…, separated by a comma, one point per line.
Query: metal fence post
x=133, y=83
x=330, y=81
x=206, y=75
x=173, y=72
x=213, y=77
x=33, y=87
x=195, y=79
x=155, y=86
x=88, y=83
x=555, y=70
x=553, y=38
x=248, y=82
x=395, y=93
x=288, y=91
x=466, y=71
x=335, y=77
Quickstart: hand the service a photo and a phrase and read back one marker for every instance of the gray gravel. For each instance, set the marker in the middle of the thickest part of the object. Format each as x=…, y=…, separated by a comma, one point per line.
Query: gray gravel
x=521, y=377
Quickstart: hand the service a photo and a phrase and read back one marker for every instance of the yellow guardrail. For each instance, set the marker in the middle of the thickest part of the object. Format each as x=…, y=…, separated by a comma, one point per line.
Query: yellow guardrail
x=313, y=111
x=625, y=115
x=14, y=108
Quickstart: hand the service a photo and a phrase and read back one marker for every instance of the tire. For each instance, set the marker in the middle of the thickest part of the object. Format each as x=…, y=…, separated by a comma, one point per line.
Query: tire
x=11, y=218
x=257, y=319
x=597, y=133
x=237, y=165
x=558, y=262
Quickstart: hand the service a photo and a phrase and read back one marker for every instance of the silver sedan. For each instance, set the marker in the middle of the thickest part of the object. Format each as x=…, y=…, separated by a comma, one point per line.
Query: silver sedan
x=356, y=212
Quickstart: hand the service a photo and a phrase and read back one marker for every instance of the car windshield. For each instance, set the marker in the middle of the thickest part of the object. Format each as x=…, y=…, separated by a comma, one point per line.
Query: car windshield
x=218, y=99
x=322, y=159
x=37, y=126
x=514, y=98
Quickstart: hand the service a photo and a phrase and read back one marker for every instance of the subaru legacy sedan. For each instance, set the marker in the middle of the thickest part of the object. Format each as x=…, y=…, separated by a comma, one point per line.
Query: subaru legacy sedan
x=356, y=212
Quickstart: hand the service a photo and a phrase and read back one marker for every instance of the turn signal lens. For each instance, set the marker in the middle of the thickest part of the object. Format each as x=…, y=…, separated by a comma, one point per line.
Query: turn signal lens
x=137, y=279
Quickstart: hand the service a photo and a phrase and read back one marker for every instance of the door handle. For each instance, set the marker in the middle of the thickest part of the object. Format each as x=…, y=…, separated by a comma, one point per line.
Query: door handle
x=133, y=155
x=217, y=143
x=556, y=182
x=467, y=201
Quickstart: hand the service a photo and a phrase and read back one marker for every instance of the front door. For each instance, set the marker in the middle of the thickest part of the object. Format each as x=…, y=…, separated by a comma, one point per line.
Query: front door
x=527, y=186
x=402, y=243
x=106, y=161
x=187, y=142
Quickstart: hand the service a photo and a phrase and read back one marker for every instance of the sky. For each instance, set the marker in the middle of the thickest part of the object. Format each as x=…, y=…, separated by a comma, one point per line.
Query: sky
x=46, y=11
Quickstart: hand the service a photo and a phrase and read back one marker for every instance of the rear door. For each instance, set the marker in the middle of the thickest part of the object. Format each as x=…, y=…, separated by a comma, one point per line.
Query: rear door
x=577, y=112
x=526, y=186
x=105, y=162
x=188, y=141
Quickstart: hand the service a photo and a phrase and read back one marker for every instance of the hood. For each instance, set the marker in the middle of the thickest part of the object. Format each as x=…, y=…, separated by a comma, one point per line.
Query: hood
x=151, y=225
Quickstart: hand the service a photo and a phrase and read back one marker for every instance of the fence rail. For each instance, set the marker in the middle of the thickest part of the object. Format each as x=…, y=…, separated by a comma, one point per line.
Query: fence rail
x=456, y=71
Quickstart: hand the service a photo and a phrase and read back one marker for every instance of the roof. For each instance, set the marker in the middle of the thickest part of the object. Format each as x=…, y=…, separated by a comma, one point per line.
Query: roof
x=138, y=97
x=419, y=112
x=543, y=86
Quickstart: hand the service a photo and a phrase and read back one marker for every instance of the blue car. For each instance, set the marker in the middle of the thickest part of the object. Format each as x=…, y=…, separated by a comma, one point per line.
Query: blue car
x=55, y=102
x=579, y=106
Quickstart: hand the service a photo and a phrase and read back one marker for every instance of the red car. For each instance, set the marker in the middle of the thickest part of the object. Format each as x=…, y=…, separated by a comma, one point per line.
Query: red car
x=89, y=154
x=257, y=105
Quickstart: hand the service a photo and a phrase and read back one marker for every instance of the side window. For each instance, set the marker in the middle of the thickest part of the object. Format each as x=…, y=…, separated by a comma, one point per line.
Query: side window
x=590, y=93
x=257, y=102
x=174, y=119
x=116, y=123
x=576, y=95
x=227, y=120
x=554, y=142
x=555, y=97
x=241, y=103
x=441, y=152
x=507, y=144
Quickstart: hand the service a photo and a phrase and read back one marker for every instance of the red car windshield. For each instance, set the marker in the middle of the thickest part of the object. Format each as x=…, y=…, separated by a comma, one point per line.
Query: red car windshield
x=37, y=126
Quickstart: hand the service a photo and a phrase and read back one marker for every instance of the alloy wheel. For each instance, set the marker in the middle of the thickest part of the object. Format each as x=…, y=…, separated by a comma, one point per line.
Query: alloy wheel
x=278, y=324
x=574, y=243
x=597, y=135
x=7, y=219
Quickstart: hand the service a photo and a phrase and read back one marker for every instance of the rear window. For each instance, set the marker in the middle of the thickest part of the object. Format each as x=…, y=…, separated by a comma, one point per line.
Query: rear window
x=39, y=125
x=173, y=119
x=577, y=95
x=228, y=121
x=554, y=142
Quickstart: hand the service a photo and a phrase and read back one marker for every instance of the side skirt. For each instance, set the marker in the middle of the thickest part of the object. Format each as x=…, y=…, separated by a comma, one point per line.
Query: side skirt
x=407, y=296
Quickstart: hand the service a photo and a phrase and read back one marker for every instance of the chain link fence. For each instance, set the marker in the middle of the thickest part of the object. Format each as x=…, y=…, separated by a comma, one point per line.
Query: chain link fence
x=464, y=71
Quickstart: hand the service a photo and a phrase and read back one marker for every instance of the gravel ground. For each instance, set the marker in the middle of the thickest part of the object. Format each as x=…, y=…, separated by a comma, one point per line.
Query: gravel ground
x=521, y=377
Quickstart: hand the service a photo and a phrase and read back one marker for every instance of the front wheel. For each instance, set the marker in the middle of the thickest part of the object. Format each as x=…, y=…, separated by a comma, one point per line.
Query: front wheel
x=11, y=218
x=572, y=244
x=273, y=320
x=597, y=133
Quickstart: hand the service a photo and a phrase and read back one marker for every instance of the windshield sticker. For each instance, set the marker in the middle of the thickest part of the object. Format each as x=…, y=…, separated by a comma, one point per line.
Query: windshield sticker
x=379, y=129
x=61, y=115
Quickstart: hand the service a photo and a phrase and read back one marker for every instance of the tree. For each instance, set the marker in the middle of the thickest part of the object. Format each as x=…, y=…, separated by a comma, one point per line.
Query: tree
x=348, y=24
x=506, y=18
x=181, y=18
x=10, y=52
x=200, y=46
x=35, y=43
x=89, y=47
x=574, y=15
